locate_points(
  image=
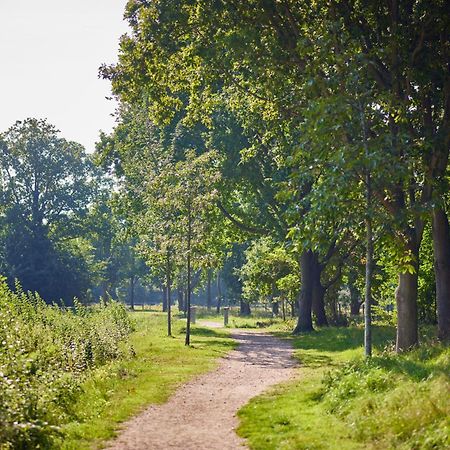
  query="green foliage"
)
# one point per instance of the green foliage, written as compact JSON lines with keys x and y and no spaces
{"x":269,"y":271}
{"x":45,"y":353}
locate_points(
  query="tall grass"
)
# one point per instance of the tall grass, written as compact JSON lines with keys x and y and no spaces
{"x":45,"y":352}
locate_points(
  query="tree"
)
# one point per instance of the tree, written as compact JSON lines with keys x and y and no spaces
{"x":46,"y":186}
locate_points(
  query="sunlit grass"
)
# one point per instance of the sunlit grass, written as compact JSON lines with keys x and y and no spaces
{"x":339,"y":401}
{"x":117,"y":391}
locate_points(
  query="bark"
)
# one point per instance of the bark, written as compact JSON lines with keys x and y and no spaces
{"x":164,"y":305}
{"x":304,"y":323}
{"x":132,"y":283}
{"x":208,"y":291}
{"x":275,"y":308}
{"x":318,"y":294}
{"x":180,"y":300}
{"x":168,"y":299}
{"x":406,"y":299}
{"x":355,"y":302}
{"x":441,"y":246}
{"x":188,"y":297}
{"x":244,"y":308}
{"x":219,"y":293}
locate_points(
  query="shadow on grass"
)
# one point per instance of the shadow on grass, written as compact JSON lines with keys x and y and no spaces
{"x":419,"y":364}
{"x":339,"y":339}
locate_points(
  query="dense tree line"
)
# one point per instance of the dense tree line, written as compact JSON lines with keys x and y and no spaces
{"x":59,"y":236}
{"x":328,"y":123}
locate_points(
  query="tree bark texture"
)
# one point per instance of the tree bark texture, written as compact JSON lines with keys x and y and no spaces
{"x":406,"y":299}
{"x":318,"y":294}
{"x":304,"y":323}
{"x":441,"y":246}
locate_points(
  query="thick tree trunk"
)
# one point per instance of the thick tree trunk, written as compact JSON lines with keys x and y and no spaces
{"x":406,"y":298}
{"x":208,"y":291}
{"x":244,"y":308}
{"x":441,"y":246}
{"x":318,"y":294}
{"x":355,"y":301}
{"x":304,"y":323}
{"x":275,"y":308}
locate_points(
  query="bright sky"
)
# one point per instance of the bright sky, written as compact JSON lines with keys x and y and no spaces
{"x":50,"y":52}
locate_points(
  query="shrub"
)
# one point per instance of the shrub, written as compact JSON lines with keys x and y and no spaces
{"x":45,"y":353}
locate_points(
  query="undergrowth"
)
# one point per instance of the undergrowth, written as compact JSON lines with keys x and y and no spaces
{"x":45,"y":353}
{"x":340,"y":400}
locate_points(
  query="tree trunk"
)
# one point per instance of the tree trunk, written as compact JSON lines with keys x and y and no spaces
{"x":318,"y":294}
{"x":208,"y":291}
{"x":441,"y":246}
{"x":168,"y":299}
{"x":244,"y":308}
{"x":132,"y":282}
{"x":164,"y":305}
{"x":219,"y":293}
{"x":304,"y":323}
{"x":275,"y":308}
{"x":355,"y":302}
{"x":180,"y":300}
{"x":406,"y":298}
{"x":188,"y":298}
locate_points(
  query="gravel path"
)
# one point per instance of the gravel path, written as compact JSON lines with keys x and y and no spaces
{"x":201,"y":415}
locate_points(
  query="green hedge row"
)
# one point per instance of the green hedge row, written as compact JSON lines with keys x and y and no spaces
{"x":45,"y":354}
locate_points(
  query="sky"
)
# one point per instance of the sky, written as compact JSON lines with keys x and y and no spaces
{"x":50,"y":52}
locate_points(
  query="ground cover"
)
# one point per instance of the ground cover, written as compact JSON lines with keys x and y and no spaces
{"x":340,"y":401}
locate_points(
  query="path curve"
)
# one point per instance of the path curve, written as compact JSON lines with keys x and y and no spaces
{"x":201,"y":415}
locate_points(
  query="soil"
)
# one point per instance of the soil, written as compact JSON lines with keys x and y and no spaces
{"x":201,"y":415}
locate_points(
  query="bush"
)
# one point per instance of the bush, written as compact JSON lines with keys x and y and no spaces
{"x":45,"y":353}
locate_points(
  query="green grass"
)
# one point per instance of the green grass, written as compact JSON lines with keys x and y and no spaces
{"x":339,"y":401}
{"x":119,"y":390}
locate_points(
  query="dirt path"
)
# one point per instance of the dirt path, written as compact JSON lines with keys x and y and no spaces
{"x":201,"y":415}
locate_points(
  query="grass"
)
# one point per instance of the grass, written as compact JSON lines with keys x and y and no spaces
{"x":339,"y":401}
{"x":119,"y":390}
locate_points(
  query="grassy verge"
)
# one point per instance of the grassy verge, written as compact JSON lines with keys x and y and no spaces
{"x":339,"y":401}
{"x":119,"y":390}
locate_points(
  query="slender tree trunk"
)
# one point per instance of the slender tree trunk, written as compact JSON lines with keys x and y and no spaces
{"x":208,"y":291}
{"x":369,"y":267}
{"x":441,"y":246}
{"x":369,"y":246}
{"x":164,"y":305}
{"x":283,"y":308}
{"x":406,"y":298}
{"x":219,"y":293}
{"x":180,"y":299}
{"x":304,"y":323}
{"x":188,"y":299}
{"x":169,"y":306}
{"x":132,"y":282}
